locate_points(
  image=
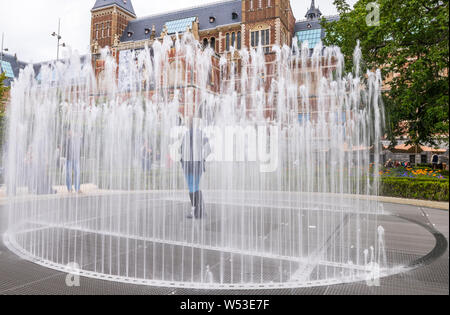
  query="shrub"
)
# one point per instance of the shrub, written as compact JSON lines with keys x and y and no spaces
{"x":435,"y":190}
{"x":426,"y":165}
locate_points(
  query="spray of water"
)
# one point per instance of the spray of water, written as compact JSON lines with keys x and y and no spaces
{"x":284,"y":194}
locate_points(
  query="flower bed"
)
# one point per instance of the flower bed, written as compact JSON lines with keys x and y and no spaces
{"x":413,"y":172}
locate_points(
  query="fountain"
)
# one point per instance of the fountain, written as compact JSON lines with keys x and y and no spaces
{"x":287,"y":196}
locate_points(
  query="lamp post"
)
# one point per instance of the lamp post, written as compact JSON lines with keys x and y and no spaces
{"x":2,"y":50}
{"x":58,"y":37}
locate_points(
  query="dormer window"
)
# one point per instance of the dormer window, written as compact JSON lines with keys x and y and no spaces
{"x":309,"y":25}
{"x":147,"y":31}
{"x":234,"y":16}
{"x":212,"y":19}
{"x":129,"y":34}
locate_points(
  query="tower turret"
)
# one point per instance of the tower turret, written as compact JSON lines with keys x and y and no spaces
{"x":109,"y":20}
{"x":313,"y":12}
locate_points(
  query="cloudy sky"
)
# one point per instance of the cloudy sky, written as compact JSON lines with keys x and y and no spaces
{"x":27,"y":24}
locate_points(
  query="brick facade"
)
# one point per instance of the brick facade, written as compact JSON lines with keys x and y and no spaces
{"x":109,"y":23}
{"x":269,"y":22}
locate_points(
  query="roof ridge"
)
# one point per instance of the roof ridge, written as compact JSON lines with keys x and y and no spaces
{"x":8,"y":54}
{"x":124,"y":5}
{"x":183,"y":9}
{"x":47,"y":62}
{"x":324,"y":17}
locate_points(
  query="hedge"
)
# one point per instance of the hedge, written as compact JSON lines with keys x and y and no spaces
{"x":427,"y":189}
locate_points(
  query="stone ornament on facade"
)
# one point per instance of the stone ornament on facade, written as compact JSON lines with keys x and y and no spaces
{"x":95,"y":49}
{"x":164,"y":31}
{"x":153,"y":33}
{"x":116,"y":40}
{"x":277,"y":31}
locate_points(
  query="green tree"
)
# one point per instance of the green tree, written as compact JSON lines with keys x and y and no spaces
{"x":3,"y":93}
{"x":411,"y":41}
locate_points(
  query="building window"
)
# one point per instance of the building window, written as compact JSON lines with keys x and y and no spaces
{"x":233,"y":39}
{"x":254,"y":38}
{"x":107,"y":29}
{"x":261,"y":37}
{"x":234,"y":16}
{"x":251,"y":4}
{"x":239,"y":46}
{"x":213,"y":43}
{"x":304,"y":118}
{"x":6,"y":67}
{"x":313,"y":37}
{"x":227,"y":42}
{"x":412,"y":159}
{"x":424,"y":159}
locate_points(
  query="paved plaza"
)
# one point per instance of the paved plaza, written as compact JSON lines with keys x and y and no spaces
{"x":415,"y":235}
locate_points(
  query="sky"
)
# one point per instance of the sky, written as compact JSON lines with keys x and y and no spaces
{"x":28,"y":24}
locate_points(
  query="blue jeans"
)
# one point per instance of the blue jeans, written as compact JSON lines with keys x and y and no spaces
{"x":193,"y":172}
{"x":146,"y":165}
{"x":73,"y":166}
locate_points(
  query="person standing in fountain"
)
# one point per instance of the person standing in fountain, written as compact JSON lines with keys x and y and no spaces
{"x":147,"y":157}
{"x":73,"y":154}
{"x":194,"y":151}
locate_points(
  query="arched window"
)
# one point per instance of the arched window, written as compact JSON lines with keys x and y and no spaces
{"x":205,"y":42}
{"x":233,"y":39}
{"x":213,"y":43}
{"x":227,"y":42}
{"x":239,"y":45}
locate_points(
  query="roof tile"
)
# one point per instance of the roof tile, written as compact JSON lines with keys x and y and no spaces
{"x":124,"y":4}
{"x":222,"y":11}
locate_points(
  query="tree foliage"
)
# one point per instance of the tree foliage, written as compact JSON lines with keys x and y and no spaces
{"x":3,"y":94}
{"x":3,"y":91}
{"x":411,"y":47}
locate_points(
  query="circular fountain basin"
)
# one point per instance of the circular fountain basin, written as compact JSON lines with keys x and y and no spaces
{"x":288,"y":244}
